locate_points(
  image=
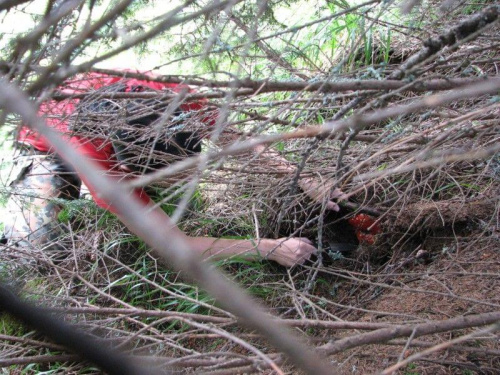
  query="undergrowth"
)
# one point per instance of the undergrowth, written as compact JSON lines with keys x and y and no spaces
{"x":436,"y":259}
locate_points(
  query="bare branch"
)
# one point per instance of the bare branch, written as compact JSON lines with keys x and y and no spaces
{"x":439,"y":347}
{"x":461,"y":31}
{"x":423,"y":329}
{"x":355,"y":122}
{"x":58,"y":331}
{"x":168,"y":243}
{"x":7,"y":4}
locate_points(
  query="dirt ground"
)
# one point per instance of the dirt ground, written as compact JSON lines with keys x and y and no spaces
{"x":452,"y":271}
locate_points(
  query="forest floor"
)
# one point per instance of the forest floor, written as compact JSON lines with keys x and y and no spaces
{"x":436,"y":259}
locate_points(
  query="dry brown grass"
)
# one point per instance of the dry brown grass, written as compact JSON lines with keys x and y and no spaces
{"x":436,"y":259}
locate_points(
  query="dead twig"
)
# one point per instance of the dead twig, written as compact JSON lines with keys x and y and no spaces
{"x":423,"y":329}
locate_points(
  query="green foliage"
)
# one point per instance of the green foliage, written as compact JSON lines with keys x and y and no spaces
{"x":474,"y":7}
{"x":131,"y":12}
{"x":350,"y":44}
{"x":10,"y":326}
{"x":81,"y":210}
{"x":138,"y":289}
{"x":410,"y":369}
{"x":251,"y":274}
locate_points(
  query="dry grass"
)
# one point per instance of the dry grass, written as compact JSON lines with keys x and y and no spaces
{"x":437,"y":258}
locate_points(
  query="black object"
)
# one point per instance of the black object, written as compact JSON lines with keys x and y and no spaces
{"x":88,"y":347}
{"x":136,"y":144}
{"x":343,"y":248}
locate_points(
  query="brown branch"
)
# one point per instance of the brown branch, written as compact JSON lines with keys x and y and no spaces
{"x":28,"y":41}
{"x":249,"y":87}
{"x":327,"y":130}
{"x":386,"y":334}
{"x":236,"y":370}
{"x":455,"y":348}
{"x":264,"y":86}
{"x":74,"y":43}
{"x":27,"y":341}
{"x":438,"y":347}
{"x":149,"y":361}
{"x":6,"y":362}
{"x":68,"y":336}
{"x":461,"y":31}
{"x":7,"y":4}
{"x":171,"y":21}
{"x":139,"y":312}
{"x":271,"y":54}
{"x":305,"y":323}
{"x":168,"y":242}
{"x":308,"y":323}
{"x":436,"y":161}
{"x":238,"y":341}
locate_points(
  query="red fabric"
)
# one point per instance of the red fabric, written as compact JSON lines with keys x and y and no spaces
{"x":365,"y":222}
{"x":100,"y":151}
{"x":366,"y":228}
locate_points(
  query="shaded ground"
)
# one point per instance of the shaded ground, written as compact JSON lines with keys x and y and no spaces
{"x":448,"y":275}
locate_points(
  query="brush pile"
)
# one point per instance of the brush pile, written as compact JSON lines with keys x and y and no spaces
{"x":407,"y":130}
